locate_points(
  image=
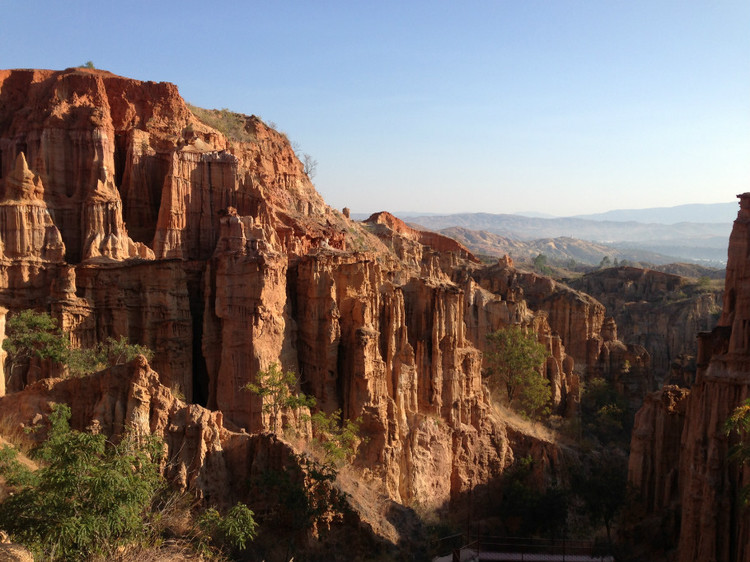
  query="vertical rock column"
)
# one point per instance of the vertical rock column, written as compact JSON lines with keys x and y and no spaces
{"x":715,"y":525}
{"x":3,"y":354}
{"x":245,"y":327}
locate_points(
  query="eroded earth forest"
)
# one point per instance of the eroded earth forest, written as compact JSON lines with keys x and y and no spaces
{"x":294,"y":383}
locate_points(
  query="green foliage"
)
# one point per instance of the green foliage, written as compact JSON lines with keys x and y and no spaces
{"x":88,"y":64}
{"x":337,"y":439}
{"x":108,"y":353}
{"x":31,"y":334}
{"x":605,"y":414}
{"x":541,"y":264}
{"x":514,"y":359}
{"x":738,"y":424}
{"x":278,"y":390}
{"x":231,"y":532}
{"x":526,"y":509}
{"x":89,"y":496}
{"x":605,"y":263}
{"x":602,"y":485}
{"x":15,"y":473}
{"x":233,"y":125}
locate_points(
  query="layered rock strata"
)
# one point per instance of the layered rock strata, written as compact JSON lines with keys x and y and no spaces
{"x":231,"y":262}
{"x":658,"y":311}
{"x":582,"y":340}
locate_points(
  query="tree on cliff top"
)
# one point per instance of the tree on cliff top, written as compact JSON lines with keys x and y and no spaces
{"x":514,"y":360}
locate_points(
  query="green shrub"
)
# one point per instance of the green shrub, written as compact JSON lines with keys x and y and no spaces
{"x":231,"y":532}
{"x":278,"y":390}
{"x":31,"y":334}
{"x":108,"y":353}
{"x":89,"y":496}
{"x":338,"y":440}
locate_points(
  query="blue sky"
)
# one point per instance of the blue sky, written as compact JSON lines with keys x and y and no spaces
{"x":557,"y":106}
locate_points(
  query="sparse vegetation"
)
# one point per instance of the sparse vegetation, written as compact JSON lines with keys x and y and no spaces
{"x":278,"y":391}
{"x":738,"y":425}
{"x":310,"y":165}
{"x":235,"y":126}
{"x":336,"y":438}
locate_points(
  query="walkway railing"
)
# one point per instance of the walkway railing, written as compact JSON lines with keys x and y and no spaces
{"x":523,"y":549}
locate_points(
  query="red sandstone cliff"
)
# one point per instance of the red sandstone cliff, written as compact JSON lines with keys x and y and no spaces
{"x":231,"y":261}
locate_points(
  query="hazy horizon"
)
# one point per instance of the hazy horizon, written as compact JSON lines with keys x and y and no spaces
{"x":734,"y":205}
{"x":563,"y":108}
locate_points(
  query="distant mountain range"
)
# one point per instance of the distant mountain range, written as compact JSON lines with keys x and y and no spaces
{"x":559,"y":250}
{"x":693,"y":233}
{"x":714,"y":212}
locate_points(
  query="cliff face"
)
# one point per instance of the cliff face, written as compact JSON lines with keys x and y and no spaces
{"x":582,"y":340}
{"x":658,"y":311}
{"x":714,"y":526}
{"x":231,"y":261}
{"x":220,"y":465}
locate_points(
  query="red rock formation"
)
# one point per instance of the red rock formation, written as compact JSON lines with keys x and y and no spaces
{"x":572,"y":325}
{"x":231,"y":261}
{"x":659,"y":311}
{"x":655,"y":448}
{"x":714,"y":526}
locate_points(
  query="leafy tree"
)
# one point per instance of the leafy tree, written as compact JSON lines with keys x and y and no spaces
{"x":605,"y":263}
{"x":278,"y":390}
{"x":738,"y":424}
{"x":602,"y":488}
{"x":29,"y":335}
{"x":89,"y":496}
{"x":514,"y":359}
{"x":605,"y":413}
{"x":88,"y":64}
{"x":541,"y":264}
{"x":337,"y":439}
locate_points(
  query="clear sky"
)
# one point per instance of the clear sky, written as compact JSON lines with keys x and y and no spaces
{"x":555,"y":106}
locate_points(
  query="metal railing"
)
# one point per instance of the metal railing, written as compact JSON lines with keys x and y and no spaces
{"x":523,"y":549}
